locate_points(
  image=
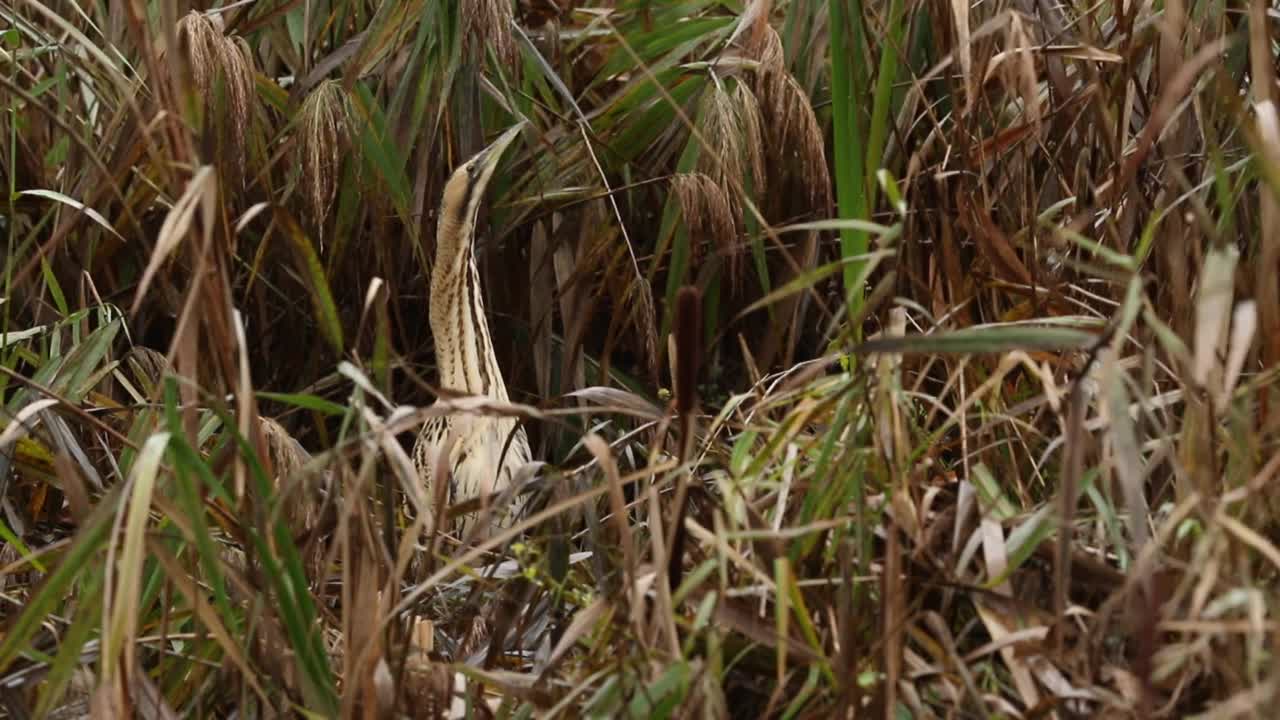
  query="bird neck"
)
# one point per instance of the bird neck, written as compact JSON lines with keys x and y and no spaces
{"x":464,"y":350}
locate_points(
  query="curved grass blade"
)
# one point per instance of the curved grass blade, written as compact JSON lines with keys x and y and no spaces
{"x":317,"y":286}
{"x":122,"y":629}
{"x":305,"y":402}
{"x":92,"y":214}
{"x":983,"y":340}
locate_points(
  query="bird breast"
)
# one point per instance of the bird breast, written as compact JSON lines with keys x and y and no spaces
{"x":477,"y":463}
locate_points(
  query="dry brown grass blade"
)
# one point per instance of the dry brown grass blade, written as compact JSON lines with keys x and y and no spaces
{"x":368,"y":684}
{"x":617,"y":505}
{"x":573,"y":298}
{"x":991,"y":239}
{"x":1073,"y":469}
{"x":1244,"y":324}
{"x":438,"y":493}
{"x":542,"y":286}
{"x":200,"y":197}
{"x":73,"y":486}
{"x":1172,"y":95}
{"x":688,"y":342}
{"x":1214,"y":296}
{"x":1263,"y":76}
{"x":893,"y":616}
{"x":1025,"y":79}
{"x":999,"y":627}
{"x":662,"y":627}
{"x":1125,"y":450}
{"x":963,"y":49}
{"x":246,"y":410}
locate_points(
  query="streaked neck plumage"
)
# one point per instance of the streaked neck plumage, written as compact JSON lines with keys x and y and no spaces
{"x":464,"y":350}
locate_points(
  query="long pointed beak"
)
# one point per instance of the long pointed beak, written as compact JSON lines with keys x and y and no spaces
{"x":487,"y":159}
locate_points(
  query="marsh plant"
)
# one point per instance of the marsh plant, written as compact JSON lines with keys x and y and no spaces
{"x":877,"y":359}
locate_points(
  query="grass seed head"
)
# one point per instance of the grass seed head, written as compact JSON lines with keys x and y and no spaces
{"x":708,"y":213}
{"x":326,"y":123}
{"x":720,"y":127}
{"x":800,"y":149}
{"x":216,"y":58}
{"x":733,"y":129}
{"x":147,"y":366}
{"x":765,"y":47}
{"x":202,"y":42}
{"x":487,"y":24}
{"x":751,"y":125}
{"x":790,"y":129}
{"x":237,"y":72}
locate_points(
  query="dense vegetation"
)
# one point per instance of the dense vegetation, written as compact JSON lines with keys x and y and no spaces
{"x":895,"y":359}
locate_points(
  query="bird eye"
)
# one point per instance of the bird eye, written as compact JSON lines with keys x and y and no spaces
{"x":471,"y":169}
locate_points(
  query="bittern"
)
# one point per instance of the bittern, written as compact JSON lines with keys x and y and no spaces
{"x":478,"y":465}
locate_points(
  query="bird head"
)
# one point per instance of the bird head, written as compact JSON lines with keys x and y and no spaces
{"x":465,"y":189}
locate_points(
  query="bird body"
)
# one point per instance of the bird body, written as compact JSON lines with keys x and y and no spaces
{"x":481,"y":462}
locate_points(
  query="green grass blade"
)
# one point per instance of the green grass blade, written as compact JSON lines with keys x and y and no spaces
{"x":849,"y":148}
{"x":984,"y":340}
